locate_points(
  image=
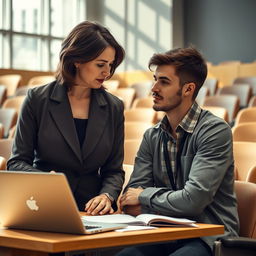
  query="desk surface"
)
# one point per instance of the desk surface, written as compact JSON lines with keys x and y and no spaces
{"x":56,"y":242}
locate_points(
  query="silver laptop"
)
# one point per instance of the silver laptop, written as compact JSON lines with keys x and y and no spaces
{"x":42,"y":202}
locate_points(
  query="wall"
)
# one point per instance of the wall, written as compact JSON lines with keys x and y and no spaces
{"x":143,"y":27}
{"x":221,"y":29}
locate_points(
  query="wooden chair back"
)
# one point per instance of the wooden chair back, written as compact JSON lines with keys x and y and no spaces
{"x":242,"y":91}
{"x":246,"y":115}
{"x":147,"y":115}
{"x":244,"y":132}
{"x":40,"y":80}
{"x":245,"y":161}
{"x":218,"y":111}
{"x":131,"y":148}
{"x":12,"y":82}
{"x":135,"y":130}
{"x":246,"y":201}
{"x":14,"y":102}
{"x":229,"y":102}
{"x":6,"y":148}
{"x":127,"y":95}
{"x":8,"y":117}
{"x":2,"y":163}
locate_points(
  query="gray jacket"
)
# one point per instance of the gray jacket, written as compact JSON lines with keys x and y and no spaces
{"x":204,"y":182}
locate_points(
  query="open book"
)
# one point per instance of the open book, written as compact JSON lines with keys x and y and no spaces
{"x":142,"y":219}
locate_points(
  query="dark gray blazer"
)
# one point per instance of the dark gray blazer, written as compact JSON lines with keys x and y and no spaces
{"x":46,"y":139}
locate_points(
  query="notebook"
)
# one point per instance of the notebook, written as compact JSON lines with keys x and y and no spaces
{"x":43,"y":202}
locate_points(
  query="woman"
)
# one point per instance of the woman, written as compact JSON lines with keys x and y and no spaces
{"x":73,"y":125}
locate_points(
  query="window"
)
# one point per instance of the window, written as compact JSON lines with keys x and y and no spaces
{"x":143,"y":27}
{"x":31,"y":31}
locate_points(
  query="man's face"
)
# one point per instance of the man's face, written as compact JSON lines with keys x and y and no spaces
{"x":167,"y":93}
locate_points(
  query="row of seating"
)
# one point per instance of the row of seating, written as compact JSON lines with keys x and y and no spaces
{"x":224,"y":73}
{"x":226,"y":101}
{"x":227,"y":72}
{"x":245,"y":161}
{"x":136,"y":121}
{"x":245,"y":131}
{"x":232,"y":98}
{"x":11,"y":99}
{"x":8,"y":120}
{"x":143,"y":112}
{"x":214,"y":103}
{"x":243,"y":154}
{"x":136,"y":90}
{"x":12,"y":82}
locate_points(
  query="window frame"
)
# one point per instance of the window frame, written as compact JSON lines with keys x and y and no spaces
{"x":45,"y":36}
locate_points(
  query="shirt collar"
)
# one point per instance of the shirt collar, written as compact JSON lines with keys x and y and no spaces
{"x":189,"y":121}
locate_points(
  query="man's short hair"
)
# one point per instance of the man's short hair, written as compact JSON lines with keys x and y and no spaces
{"x":189,"y":64}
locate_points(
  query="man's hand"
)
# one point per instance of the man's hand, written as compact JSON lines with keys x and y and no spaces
{"x":99,"y":205}
{"x":131,"y":197}
{"x":133,"y":210}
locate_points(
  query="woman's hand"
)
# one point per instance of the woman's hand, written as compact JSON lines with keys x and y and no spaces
{"x":99,"y":205}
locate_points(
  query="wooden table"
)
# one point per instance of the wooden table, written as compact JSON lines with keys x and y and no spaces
{"x":23,"y":242}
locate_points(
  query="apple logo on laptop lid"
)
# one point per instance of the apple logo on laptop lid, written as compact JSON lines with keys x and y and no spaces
{"x":31,"y":203}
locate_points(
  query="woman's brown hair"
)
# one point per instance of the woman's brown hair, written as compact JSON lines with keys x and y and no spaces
{"x":83,"y":44}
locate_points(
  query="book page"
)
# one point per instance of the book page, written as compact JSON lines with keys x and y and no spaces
{"x":142,"y":219}
{"x":134,"y":228}
{"x":160,"y":220}
{"x":114,"y":218}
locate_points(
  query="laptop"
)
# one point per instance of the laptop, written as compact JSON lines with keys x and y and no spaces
{"x":43,"y":202}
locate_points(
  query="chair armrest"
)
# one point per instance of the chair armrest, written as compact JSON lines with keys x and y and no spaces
{"x":241,"y":242}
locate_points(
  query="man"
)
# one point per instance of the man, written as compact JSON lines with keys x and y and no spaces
{"x":185,"y":165}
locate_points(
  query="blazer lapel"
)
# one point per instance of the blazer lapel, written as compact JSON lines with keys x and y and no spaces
{"x":98,"y":116}
{"x":62,"y":115}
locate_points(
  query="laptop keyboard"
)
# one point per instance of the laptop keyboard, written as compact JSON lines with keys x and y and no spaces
{"x":91,"y":227}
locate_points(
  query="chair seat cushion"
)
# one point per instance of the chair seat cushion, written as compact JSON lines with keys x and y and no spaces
{"x":241,"y":242}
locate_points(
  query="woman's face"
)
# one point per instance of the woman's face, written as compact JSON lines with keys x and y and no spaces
{"x":93,"y":73}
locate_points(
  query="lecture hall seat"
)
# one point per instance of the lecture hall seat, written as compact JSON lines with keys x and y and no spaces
{"x":246,"y":115}
{"x":229,"y":102}
{"x":135,"y":130}
{"x":245,"y":244}
{"x":245,"y":161}
{"x":12,"y":82}
{"x":244,"y":132}
{"x":2,"y":163}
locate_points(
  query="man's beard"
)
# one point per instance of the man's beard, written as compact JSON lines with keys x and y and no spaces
{"x":171,"y":105}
